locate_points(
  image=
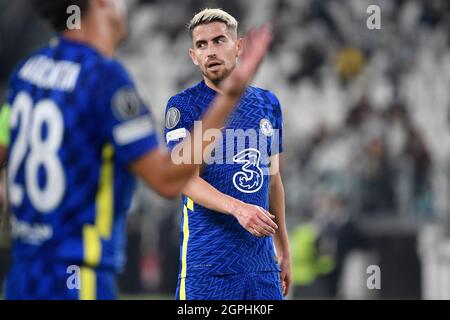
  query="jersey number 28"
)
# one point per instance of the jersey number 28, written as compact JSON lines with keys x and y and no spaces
{"x":33,"y":150}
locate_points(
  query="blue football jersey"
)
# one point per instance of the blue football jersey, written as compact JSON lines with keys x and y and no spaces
{"x":76,"y":123}
{"x":213,"y":243}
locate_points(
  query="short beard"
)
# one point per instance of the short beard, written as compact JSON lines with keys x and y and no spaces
{"x":217,"y":81}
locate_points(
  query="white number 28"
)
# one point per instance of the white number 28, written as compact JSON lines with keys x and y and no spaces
{"x":35,"y":151}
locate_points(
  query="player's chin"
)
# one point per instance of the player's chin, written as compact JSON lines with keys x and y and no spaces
{"x":215,"y":76}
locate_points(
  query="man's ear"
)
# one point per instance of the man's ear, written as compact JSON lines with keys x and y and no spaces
{"x":193,"y":57}
{"x":240,"y":46}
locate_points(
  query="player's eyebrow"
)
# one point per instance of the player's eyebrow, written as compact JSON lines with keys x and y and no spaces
{"x":200,"y":41}
{"x":219,"y":37}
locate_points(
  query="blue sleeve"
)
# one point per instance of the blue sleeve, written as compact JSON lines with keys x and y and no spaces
{"x":277,"y":139}
{"x":179,"y":120}
{"x":125,"y":120}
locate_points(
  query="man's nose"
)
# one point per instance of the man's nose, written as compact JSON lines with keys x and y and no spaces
{"x":211,"y":52}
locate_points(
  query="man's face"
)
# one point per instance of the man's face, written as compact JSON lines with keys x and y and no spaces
{"x":215,"y":50}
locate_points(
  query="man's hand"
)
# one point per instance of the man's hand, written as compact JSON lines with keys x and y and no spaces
{"x":255,"y":49}
{"x":254,"y":219}
{"x":286,"y":273}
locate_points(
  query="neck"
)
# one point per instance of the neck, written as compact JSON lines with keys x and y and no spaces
{"x":213,"y":85}
{"x":98,"y":36}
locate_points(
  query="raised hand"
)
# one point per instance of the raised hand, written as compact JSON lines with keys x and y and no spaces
{"x":256,"y":46}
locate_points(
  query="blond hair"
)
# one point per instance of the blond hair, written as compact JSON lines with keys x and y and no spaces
{"x":213,"y":15}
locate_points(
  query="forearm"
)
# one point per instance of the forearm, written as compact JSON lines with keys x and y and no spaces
{"x":252,"y":218}
{"x":204,"y":194}
{"x":277,"y":208}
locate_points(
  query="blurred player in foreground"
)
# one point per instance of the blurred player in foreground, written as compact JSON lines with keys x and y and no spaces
{"x":76,"y":130}
{"x":225,"y":253}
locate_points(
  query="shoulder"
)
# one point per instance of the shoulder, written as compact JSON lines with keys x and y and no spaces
{"x":268,"y":96}
{"x":182,"y":109}
{"x":184,"y":100}
{"x":111,"y":83}
{"x":265,"y":94}
{"x":112,"y":71}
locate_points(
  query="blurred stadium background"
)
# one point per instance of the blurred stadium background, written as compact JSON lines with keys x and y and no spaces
{"x":366,"y":133}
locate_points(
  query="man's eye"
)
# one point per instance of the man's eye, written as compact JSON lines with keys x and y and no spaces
{"x":201,"y":45}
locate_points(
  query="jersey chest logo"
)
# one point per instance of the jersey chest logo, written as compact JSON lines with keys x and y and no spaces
{"x":266,"y":127}
{"x":250,"y":179}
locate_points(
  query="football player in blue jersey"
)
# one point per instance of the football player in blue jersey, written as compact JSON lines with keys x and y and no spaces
{"x":73,"y":132}
{"x":224,"y":253}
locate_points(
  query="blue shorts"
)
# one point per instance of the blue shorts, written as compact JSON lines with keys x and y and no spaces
{"x":248,"y":286}
{"x":43,"y":280}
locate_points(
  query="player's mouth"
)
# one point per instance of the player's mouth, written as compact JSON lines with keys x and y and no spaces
{"x":214,"y":65}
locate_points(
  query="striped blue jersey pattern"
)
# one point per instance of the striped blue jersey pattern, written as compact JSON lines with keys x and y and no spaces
{"x":76,"y":123}
{"x":213,"y":243}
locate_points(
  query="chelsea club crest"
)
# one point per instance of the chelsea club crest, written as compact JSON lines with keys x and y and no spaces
{"x":266,"y":127}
